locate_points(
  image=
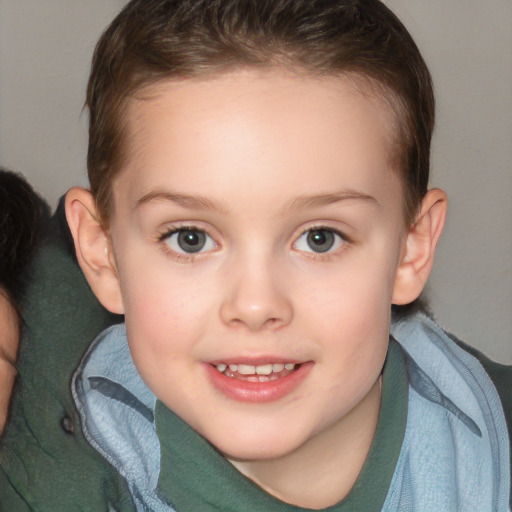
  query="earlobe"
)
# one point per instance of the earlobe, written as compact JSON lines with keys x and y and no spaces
{"x":419,"y":248}
{"x":93,"y":248}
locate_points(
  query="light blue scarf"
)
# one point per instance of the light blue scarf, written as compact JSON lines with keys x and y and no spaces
{"x":454,"y":456}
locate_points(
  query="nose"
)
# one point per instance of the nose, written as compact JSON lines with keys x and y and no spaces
{"x":255,"y":297}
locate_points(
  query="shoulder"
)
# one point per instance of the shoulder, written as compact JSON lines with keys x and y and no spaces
{"x":44,"y":456}
{"x":418,"y":329}
{"x":458,"y":399}
{"x":500,"y":374}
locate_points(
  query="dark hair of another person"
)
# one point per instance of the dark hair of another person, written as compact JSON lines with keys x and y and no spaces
{"x":21,"y":215}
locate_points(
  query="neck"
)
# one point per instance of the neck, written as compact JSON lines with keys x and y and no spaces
{"x":322,"y":471}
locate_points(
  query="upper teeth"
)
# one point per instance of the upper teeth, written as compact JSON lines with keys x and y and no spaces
{"x":262,"y":369}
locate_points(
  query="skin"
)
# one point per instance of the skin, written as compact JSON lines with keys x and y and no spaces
{"x":256,"y":160}
{"x":9,"y":338}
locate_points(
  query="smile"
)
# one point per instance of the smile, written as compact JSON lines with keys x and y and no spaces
{"x":260,"y":373}
{"x":258,"y":383}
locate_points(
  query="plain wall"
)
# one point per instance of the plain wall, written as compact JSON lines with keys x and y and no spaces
{"x":45,"y":51}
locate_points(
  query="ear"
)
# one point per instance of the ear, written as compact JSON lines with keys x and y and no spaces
{"x":419,"y":248}
{"x":93,"y":248}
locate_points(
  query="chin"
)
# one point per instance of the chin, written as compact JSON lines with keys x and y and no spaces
{"x":255,"y":448}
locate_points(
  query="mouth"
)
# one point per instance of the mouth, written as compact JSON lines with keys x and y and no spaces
{"x":257,"y":383}
{"x":257,"y":373}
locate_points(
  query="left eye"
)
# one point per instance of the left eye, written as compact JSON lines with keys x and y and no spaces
{"x":189,"y":241}
{"x":319,"y":240}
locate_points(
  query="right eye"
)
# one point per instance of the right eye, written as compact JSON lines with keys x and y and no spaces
{"x":320,"y":240}
{"x":188,"y":241}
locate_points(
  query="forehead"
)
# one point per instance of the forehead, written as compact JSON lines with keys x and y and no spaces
{"x":295,"y":128}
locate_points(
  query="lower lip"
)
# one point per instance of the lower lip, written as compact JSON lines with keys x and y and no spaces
{"x":257,"y":392}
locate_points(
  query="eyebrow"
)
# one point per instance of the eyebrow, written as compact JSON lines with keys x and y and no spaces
{"x":302,"y":202}
{"x":318,"y":200}
{"x":186,"y":201}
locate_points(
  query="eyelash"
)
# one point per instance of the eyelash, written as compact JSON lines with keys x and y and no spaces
{"x":330,"y":254}
{"x":182,"y":256}
{"x":188,"y":257}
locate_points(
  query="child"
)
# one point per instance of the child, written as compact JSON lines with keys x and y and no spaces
{"x":258,"y":203}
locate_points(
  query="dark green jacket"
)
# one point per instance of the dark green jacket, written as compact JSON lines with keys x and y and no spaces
{"x":46,"y":465}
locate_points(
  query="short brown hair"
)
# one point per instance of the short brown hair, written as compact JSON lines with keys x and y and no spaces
{"x":153,"y":40}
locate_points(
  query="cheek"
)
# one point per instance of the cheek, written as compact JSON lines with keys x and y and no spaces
{"x":162,"y":327}
{"x":350,"y":313}
{"x":163,"y":303}
{"x":356,"y":290}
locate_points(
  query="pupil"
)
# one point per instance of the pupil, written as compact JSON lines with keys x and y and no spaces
{"x":191,"y":241}
{"x":320,"y":240}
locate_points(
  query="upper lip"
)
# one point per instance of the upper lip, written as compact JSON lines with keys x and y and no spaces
{"x":255,"y":361}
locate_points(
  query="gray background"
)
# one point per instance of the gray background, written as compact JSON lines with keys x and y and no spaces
{"x":45,"y":51}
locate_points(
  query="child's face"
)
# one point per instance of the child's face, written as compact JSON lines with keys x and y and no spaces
{"x":258,"y":223}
